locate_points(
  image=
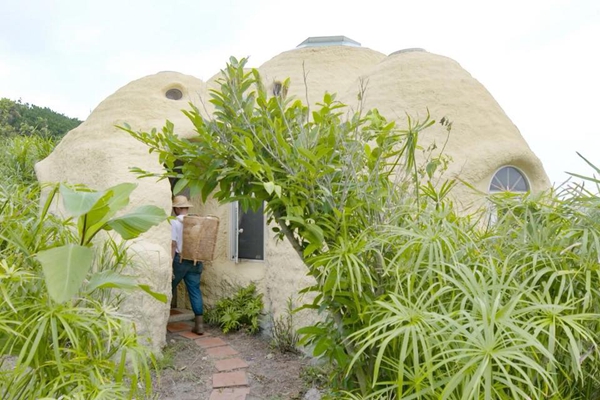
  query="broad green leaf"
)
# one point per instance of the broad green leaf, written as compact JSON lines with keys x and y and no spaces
{"x":131,"y":225}
{"x":306,"y":153}
{"x":78,"y":202}
{"x":110,"y":279}
{"x":120,"y":197}
{"x":249,"y":146}
{"x":293,"y":218}
{"x":330,"y":281}
{"x":316,"y":232}
{"x":269,"y":186}
{"x":311,"y":330}
{"x":65,"y":269}
{"x":431,"y":167}
{"x":322,"y":345}
{"x":180,"y":185}
{"x":115,"y":198}
{"x":158,"y":296}
{"x":311,"y":248}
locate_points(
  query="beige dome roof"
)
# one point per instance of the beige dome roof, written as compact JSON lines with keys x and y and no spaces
{"x":97,"y":142}
{"x":482,"y":139}
{"x":331,"y":68}
{"x":98,"y":154}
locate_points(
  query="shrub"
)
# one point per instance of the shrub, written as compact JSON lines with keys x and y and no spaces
{"x":18,"y":155}
{"x":284,"y":336}
{"x":239,"y":312}
{"x":60,"y":328}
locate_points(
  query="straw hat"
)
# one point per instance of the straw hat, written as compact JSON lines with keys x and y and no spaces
{"x":181,"y":202}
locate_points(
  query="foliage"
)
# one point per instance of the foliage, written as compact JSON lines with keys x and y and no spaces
{"x":420,"y":301}
{"x":284,"y":336}
{"x":65,"y":338}
{"x":23,"y":119}
{"x":238,"y":312}
{"x":18,"y":155}
{"x":169,"y":355}
{"x":315,"y":376}
{"x":66,"y":266}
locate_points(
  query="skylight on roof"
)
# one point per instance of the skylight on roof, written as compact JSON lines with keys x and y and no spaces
{"x":320,"y":41}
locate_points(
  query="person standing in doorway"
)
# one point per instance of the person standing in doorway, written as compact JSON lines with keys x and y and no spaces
{"x":187,"y":270}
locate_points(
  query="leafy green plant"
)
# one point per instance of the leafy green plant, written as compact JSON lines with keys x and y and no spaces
{"x":420,"y":299}
{"x":65,"y":267}
{"x":60,"y":329}
{"x":238,"y":312}
{"x":18,"y":155}
{"x":315,"y":376}
{"x":283,"y":333}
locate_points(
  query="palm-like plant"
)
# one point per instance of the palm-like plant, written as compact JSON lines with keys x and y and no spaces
{"x":509,"y":313}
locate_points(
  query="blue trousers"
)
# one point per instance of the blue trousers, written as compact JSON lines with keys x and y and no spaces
{"x":190,"y":273}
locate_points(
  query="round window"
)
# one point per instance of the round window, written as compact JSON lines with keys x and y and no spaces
{"x":174,"y":94}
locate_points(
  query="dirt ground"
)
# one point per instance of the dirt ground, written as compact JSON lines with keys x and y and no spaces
{"x":186,"y":371}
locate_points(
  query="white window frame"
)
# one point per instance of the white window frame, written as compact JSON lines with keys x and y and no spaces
{"x":235,"y":230}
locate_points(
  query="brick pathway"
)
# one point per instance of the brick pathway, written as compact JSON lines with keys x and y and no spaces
{"x":231,"y":380}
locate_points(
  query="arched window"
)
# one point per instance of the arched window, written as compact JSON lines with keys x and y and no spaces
{"x":509,"y":179}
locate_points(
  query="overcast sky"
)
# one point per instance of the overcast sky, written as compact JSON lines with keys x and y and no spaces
{"x":540,"y":59}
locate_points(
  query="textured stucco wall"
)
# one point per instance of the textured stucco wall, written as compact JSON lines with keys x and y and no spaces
{"x":483,"y":139}
{"x":332,"y":69}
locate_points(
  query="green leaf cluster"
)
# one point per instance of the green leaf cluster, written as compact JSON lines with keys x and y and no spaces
{"x":283,"y":331}
{"x":19,"y":154}
{"x":238,"y":312}
{"x":65,"y":267}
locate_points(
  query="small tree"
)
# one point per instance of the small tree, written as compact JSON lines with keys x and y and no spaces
{"x":420,"y":301}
